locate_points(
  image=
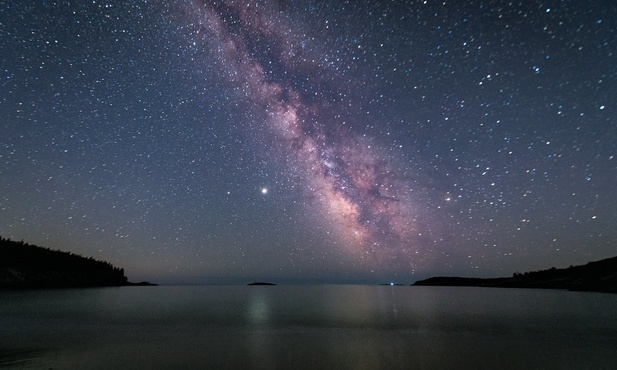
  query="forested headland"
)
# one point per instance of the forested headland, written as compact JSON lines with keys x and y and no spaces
{"x":598,"y":276}
{"x":24,"y":266}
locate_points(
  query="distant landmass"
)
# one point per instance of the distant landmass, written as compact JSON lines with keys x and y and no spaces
{"x":598,"y":276}
{"x":27,"y":266}
{"x":261,"y":283}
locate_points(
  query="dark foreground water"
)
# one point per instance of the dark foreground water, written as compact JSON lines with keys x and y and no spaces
{"x":307,"y":327}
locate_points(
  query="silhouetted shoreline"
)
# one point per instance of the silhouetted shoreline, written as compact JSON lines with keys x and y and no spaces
{"x":141,"y":283}
{"x":27,"y":266}
{"x":598,"y":276}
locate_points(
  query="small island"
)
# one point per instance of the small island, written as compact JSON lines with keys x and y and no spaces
{"x":27,"y":266}
{"x":598,"y":276}
{"x":261,"y":283}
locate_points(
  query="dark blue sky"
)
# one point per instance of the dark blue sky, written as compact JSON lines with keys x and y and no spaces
{"x":356,"y":141}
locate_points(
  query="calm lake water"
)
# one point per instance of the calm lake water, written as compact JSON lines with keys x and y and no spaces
{"x":307,"y":327}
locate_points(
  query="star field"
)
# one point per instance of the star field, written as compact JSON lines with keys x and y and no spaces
{"x":207,"y":141}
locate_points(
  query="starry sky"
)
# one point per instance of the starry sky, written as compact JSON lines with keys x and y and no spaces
{"x":311,"y":141}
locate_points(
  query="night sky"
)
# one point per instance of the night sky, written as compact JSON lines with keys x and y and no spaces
{"x":311,"y":141}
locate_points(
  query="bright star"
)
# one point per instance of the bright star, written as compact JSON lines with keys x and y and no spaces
{"x":264,"y":191}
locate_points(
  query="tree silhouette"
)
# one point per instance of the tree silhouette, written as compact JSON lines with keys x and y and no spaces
{"x":23,"y":265}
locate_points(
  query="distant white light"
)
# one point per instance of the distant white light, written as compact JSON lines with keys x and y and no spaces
{"x":264,"y":191}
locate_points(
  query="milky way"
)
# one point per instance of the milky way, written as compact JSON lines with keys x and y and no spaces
{"x":358,"y":191}
{"x":359,"y":141}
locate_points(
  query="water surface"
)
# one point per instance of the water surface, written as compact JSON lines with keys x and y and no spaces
{"x":307,"y":327}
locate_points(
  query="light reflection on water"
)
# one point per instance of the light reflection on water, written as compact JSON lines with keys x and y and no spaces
{"x":295,"y":327}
